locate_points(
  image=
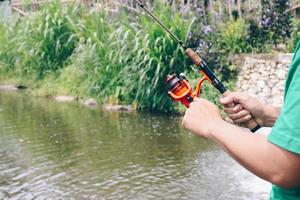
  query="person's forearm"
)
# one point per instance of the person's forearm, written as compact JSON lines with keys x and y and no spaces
{"x":256,"y":154}
{"x":270,"y":115}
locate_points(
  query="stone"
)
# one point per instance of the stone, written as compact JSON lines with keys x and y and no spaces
{"x":272,"y":65}
{"x":266,"y":91}
{"x":281,"y":73}
{"x":254,"y":76}
{"x":90,"y":103}
{"x":263,"y":75}
{"x":118,"y":108}
{"x":261,"y":84}
{"x":244,"y":87}
{"x":64,"y":98}
{"x":281,"y":83}
{"x":250,"y":60}
{"x":8,"y":88}
{"x":276,"y":92}
{"x":285,"y":58}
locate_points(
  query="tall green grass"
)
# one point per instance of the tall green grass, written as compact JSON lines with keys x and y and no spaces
{"x":126,"y":60}
{"x":121,"y":59}
{"x":7,"y":47}
{"x":154,"y":54}
{"x":46,"y":40}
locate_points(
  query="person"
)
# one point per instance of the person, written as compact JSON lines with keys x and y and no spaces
{"x":276,"y":157}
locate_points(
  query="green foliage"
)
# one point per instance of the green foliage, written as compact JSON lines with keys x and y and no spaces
{"x":275,"y":21}
{"x":233,"y":37}
{"x":47,"y":40}
{"x":295,"y":36}
{"x":97,"y":53}
{"x":124,"y":58}
{"x":257,"y":38}
{"x":154,"y":55}
{"x":281,"y":21}
{"x":7,"y":50}
{"x":119,"y":60}
{"x":128,"y":62}
{"x":215,"y":46}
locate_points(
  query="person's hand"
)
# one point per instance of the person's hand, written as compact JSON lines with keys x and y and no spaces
{"x":201,"y":117}
{"x":244,"y":107}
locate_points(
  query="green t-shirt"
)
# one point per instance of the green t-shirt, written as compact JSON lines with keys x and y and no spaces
{"x":286,"y":131}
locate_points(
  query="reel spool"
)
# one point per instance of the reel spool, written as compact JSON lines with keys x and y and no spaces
{"x":179,"y":88}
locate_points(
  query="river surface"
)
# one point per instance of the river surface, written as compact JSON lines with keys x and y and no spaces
{"x":51,"y":150}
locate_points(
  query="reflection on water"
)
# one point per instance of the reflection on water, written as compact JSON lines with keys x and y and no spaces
{"x":63,"y":151}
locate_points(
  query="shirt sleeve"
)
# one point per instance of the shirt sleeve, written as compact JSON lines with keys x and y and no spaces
{"x":286,"y":131}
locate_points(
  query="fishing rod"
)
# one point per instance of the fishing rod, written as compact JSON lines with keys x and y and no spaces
{"x":179,"y":89}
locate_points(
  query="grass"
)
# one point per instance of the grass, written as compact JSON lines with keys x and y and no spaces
{"x":119,"y":60}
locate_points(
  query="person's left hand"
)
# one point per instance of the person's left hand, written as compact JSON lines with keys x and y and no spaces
{"x":201,"y":117}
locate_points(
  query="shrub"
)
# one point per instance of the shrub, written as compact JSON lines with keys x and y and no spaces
{"x":257,"y":38}
{"x":233,"y":37}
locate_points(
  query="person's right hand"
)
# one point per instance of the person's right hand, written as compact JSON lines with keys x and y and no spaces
{"x":245,"y":107}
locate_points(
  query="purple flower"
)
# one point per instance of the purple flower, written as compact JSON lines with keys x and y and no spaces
{"x":206,"y":29}
{"x":203,"y":44}
{"x":266,"y":21}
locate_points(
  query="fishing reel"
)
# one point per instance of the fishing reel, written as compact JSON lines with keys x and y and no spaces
{"x":179,"y":88}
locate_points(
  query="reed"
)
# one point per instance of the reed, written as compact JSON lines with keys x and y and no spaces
{"x":127,"y":59}
{"x":46,"y":40}
{"x":121,"y":59}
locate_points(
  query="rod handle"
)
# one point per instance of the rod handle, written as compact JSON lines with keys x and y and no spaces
{"x":197,"y":60}
{"x":252,"y":123}
{"x":193,"y":56}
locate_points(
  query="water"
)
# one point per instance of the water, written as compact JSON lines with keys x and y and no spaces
{"x":50,"y":150}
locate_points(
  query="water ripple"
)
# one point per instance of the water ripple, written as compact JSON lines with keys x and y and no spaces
{"x":58,"y":151}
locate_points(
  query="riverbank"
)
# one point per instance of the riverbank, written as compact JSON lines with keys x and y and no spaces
{"x":84,"y":101}
{"x":121,"y":58}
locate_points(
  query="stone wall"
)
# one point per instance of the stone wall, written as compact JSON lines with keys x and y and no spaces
{"x":263,"y":75}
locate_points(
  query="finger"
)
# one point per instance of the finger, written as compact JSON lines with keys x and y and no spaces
{"x":242,"y":120}
{"x":235,"y":109}
{"x":239,"y":115}
{"x":196,"y":102}
{"x":192,"y":105}
{"x":231,"y":98}
{"x":183,"y":121}
{"x":226,"y":100}
{"x":196,"y":99}
{"x":185,"y":118}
